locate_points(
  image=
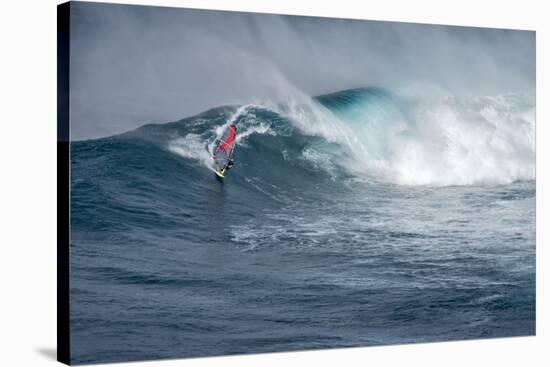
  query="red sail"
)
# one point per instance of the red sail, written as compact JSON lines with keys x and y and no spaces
{"x":222,"y":154}
{"x":227,"y":143}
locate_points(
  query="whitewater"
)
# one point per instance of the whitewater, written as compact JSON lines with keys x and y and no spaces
{"x":440,"y":140}
{"x":367,"y":216}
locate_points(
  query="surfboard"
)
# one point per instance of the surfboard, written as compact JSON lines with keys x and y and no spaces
{"x":223,"y":152}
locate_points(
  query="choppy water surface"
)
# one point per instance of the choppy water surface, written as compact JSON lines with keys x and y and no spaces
{"x":354,"y":219}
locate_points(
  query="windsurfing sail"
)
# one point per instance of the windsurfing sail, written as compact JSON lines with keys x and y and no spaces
{"x":224,"y":150}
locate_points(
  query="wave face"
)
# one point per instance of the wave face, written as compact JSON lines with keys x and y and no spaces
{"x":363,"y":217}
{"x":373,"y":134}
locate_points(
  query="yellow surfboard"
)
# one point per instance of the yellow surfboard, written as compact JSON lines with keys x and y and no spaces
{"x":220,"y":174}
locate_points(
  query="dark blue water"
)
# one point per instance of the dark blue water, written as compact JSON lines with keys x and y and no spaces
{"x":292,"y":251}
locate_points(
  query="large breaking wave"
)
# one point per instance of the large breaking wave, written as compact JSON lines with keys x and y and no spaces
{"x":320,"y":217}
{"x":370,"y":133}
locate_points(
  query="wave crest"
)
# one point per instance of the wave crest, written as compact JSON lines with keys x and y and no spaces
{"x":372,"y":133}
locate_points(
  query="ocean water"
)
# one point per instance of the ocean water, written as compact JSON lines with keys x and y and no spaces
{"x":358,"y":218}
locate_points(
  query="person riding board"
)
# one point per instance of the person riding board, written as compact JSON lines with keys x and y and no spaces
{"x":223,"y":154}
{"x":231,"y":162}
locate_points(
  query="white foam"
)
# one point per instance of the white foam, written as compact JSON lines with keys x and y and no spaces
{"x":443,"y":140}
{"x":192,"y":146}
{"x":440,"y":140}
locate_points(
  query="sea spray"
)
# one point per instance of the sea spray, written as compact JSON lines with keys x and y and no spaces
{"x":434,"y":139}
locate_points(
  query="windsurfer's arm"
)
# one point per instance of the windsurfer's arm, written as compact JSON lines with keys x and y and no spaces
{"x":230,"y":163}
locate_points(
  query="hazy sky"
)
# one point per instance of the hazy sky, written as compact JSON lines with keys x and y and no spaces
{"x":132,"y":65}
